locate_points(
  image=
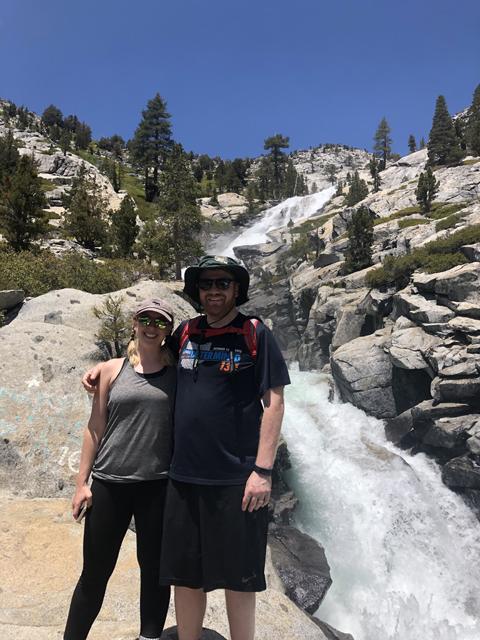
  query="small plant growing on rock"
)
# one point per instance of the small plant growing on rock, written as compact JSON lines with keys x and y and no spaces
{"x":114,"y":331}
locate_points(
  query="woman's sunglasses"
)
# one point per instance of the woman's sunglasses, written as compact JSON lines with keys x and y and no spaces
{"x":205,"y":284}
{"x":146,"y":321}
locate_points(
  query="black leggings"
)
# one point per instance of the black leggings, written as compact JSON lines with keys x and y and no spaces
{"x":106,"y":524}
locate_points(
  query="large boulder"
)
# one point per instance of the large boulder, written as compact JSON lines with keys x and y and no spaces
{"x":301,"y":565}
{"x":462,"y":472}
{"x":44,"y":409}
{"x":363,"y":372}
{"x":460,"y":283}
{"x":410,"y":344}
{"x":450,"y":432}
{"x":419,"y":309}
{"x":11,"y":298}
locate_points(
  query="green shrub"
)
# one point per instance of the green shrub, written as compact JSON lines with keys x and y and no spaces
{"x":412,"y":222}
{"x":443,"y":261}
{"x":443,"y":210}
{"x":39,"y":272}
{"x":447,"y":223}
{"x":435,"y":256}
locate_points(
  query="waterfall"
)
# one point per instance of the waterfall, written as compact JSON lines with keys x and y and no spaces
{"x":404,"y":550}
{"x":296,"y":208}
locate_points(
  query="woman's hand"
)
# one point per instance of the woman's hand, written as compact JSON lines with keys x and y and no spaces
{"x":82,"y":494}
{"x":90,"y":379}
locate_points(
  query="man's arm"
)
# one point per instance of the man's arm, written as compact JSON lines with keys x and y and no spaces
{"x":258,"y":487}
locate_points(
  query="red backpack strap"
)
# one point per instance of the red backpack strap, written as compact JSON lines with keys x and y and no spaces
{"x":189,"y":328}
{"x":250,"y":332}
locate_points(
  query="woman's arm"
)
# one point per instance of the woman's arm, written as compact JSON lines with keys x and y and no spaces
{"x":93,"y":435}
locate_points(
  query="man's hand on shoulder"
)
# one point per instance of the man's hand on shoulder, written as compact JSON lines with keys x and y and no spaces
{"x":92,"y":376}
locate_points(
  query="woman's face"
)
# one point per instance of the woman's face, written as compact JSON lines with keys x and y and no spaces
{"x":151,"y":327}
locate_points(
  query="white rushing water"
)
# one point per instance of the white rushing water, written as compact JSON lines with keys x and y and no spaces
{"x":403,"y":549}
{"x":297,"y":208}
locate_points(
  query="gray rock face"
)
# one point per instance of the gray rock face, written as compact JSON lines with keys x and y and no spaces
{"x":10,"y":299}
{"x":418,"y":309}
{"x":409,"y":346}
{"x":363,"y":372}
{"x":471,"y":251}
{"x":45,"y":351}
{"x":460,"y":283}
{"x":301,"y":565}
{"x":449,"y":432}
{"x":462,"y":472}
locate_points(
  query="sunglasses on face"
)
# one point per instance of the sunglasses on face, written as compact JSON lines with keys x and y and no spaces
{"x":159,"y":323}
{"x":205,"y":284}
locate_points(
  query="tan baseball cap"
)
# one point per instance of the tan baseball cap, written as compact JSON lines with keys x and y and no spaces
{"x":158,"y":305}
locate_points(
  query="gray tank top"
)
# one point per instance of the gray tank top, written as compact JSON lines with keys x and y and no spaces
{"x":137,"y":444}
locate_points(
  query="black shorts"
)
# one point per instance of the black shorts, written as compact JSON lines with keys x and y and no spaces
{"x":209,"y":542}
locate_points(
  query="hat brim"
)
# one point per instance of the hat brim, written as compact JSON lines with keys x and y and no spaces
{"x":165,"y":314}
{"x":192,"y":274}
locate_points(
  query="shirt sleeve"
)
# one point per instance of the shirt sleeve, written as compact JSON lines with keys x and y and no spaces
{"x":270,"y":367}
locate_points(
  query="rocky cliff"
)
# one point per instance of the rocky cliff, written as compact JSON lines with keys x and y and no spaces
{"x":409,"y":355}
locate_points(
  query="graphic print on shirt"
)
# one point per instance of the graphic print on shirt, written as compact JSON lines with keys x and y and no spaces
{"x":193,"y":354}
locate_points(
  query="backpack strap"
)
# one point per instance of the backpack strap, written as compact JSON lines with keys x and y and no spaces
{"x":248,"y":330}
{"x":190,"y":327}
{"x":250,"y":333}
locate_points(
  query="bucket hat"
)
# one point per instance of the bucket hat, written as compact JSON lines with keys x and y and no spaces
{"x":192,"y":275}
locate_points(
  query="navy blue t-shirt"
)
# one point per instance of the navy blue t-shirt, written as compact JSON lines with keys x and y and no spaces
{"x":218,"y":407}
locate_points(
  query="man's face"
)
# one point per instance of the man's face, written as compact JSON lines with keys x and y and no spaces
{"x":217,"y":300}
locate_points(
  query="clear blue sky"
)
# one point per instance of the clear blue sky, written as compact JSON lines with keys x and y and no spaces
{"x":235,"y":72}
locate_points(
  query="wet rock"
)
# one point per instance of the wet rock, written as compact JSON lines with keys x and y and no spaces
{"x":302,"y":566}
{"x":331,"y":633}
{"x":398,"y":427}
{"x":450,"y":432}
{"x":462,"y":472}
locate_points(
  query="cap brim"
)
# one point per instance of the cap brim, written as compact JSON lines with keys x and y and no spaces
{"x":165,"y":314}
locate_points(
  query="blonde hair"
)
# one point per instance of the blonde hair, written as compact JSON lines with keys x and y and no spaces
{"x":166,"y":355}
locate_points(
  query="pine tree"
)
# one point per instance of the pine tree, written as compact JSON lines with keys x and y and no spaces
{"x":22,"y":218}
{"x":52,"y":116}
{"x":443,"y":146}
{"x":422,"y":143}
{"x":114,"y":330}
{"x":180,"y":218}
{"x":383,"y":143}
{"x":83,"y":136}
{"x":275,"y":144}
{"x":358,"y":190}
{"x":426,"y":189}
{"x":473,"y":127}
{"x":124,"y":228}
{"x":9,"y":156}
{"x":152,"y":143}
{"x":87,"y":206}
{"x":374,"y":166}
{"x":360,"y":238}
{"x":65,"y":141}
{"x":412,"y":143}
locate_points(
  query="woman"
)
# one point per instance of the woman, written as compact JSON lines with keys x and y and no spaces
{"x":127,"y":446}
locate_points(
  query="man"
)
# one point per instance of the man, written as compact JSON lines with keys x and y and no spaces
{"x":228,"y":414}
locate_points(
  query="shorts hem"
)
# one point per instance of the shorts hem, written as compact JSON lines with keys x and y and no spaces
{"x":175,"y":582}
